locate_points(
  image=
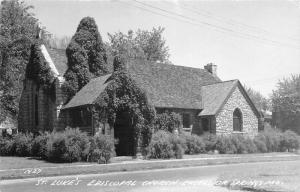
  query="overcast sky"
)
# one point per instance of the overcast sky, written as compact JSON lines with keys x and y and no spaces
{"x":257,"y":42}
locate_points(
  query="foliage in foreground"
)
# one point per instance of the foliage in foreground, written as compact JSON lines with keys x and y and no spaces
{"x":71,"y":145}
{"x":102,"y":148}
{"x":165,"y":145}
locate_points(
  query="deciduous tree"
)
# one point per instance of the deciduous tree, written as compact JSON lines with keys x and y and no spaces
{"x":17,"y":31}
{"x":286,"y":103}
{"x":262,"y":103}
{"x":143,"y":44}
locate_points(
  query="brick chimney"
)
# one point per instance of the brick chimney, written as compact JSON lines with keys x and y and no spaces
{"x":212,"y":68}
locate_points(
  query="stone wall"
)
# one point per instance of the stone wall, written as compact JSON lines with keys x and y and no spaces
{"x":224,"y":119}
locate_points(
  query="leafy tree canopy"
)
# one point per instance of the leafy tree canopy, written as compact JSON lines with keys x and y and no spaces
{"x":17,"y":32}
{"x":260,"y":102}
{"x":144,"y":44}
{"x":286,"y":102}
{"x":86,"y":56}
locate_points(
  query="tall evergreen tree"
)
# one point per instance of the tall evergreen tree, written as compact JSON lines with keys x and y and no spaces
{"x":86,"y":57}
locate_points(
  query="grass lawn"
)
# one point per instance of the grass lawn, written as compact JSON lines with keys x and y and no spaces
{"x":16,"y":167}
{"x":27,"y":162}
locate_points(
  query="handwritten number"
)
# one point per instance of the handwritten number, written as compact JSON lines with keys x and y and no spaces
{"x":33,"y":171}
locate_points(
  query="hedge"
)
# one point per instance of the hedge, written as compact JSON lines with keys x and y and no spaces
{"x":72,"y":145}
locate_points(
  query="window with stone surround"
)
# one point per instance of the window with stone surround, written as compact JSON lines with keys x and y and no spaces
{"x":237,"y":120}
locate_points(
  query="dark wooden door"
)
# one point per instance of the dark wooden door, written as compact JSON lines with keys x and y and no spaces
{"x":124,"y":133}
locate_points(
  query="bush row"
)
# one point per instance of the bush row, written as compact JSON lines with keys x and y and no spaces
{"x":166,"y":145}
{"x":73,"y":145}
{"x":70,"y":145}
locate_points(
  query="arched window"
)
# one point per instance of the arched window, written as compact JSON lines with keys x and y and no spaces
{"x":237,"y":120}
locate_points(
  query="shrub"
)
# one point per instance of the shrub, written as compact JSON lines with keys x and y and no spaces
{"x":56,"y":147}
{"x":77,"y":145}
{"x":272,"y":139}
{"x":39,"y":145}
{"x":260,"y":143}
{"x":165,"y":145}
{"x":7,"y":146}
{"x":168,"y":122}
{"x":22,"y":144}
{"x":250,"y":145}
{"x":210,"y":141}
{"x":225,"y":145}
{"x":102,"y":148}
{"x":68,"y":146}
{"x":239,"y":143}
{"x":178,"y":145}
{"x":160,"y":146}
{"x":194,"y":144}
{"x":289,"y":140}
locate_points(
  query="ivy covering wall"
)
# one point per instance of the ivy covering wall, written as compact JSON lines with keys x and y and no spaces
{"x":38,"y":69}
{"x":123,"y":94}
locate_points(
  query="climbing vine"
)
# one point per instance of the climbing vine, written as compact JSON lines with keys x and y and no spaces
{"x":123,"y":94}
{"x":38,"y":69}
{"x":168,"y":122}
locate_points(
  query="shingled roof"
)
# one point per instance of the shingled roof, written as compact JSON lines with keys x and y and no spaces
{"x":214,"y":95}
{"x":171,"y":86}
{"x":89,"y":93}
{"x":59,"y":59}
{"x":167,"y":86}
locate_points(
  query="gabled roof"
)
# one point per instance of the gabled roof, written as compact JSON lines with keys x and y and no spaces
{"x":215,"y":96}
{"x":59,"y":59}
{"x":89,"y":93}
{"x":167,"y":86}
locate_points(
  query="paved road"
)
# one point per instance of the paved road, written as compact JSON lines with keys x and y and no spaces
{"x":180,"y":179}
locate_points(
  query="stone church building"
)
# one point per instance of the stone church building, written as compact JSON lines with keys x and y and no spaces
{"x":205,"y":103}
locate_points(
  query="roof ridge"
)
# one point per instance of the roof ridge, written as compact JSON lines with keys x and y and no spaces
{"x":221,"y":82}
{"x":164,"y":63}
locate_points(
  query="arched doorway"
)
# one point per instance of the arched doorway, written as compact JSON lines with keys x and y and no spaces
{"x":123,"y":131}
{"x":237,"y":120}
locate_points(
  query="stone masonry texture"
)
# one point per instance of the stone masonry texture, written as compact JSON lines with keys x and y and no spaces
{"x":224,"y":119}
